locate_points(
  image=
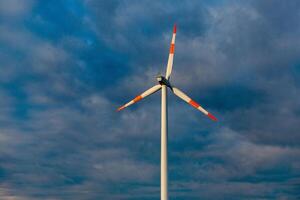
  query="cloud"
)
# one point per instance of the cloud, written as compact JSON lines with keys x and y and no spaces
{"x":5,"y":194}
{"x":15,"y":8}
{"x":235,"y":166}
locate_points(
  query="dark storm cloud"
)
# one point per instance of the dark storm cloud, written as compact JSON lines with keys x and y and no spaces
{"x":67,"y":66}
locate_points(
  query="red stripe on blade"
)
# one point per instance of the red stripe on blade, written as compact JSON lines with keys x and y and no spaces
{"x":172,"y":48}
{"x":174,"y":29}
{"x":212,"y":117}
{"x":138,"y":98}
{"x":194,"y":104}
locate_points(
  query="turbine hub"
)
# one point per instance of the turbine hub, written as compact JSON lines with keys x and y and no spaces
{"x":163,"y":81}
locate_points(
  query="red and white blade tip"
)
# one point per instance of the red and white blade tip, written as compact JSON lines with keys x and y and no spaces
{"x":120,"y":108}
{"x":174,"y":29}
{"x":212,"y":117}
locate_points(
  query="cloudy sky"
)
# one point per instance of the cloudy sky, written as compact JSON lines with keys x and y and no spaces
{"x":66,"y":65}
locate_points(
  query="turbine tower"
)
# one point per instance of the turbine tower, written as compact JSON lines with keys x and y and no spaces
{"x":163,"y":84}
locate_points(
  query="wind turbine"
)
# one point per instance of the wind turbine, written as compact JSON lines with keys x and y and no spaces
{"x":163,"y":84}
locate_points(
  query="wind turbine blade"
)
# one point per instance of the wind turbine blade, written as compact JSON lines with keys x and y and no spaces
{"x":187,"y":99}
{"x":171,"y":54}
{"x":141,"y":96}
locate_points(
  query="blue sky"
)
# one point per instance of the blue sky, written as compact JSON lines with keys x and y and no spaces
{"x":67,"y":65}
